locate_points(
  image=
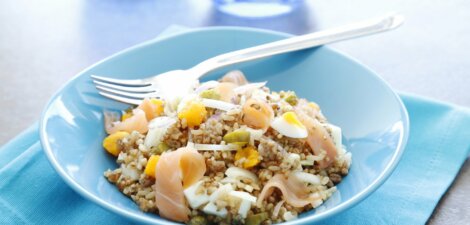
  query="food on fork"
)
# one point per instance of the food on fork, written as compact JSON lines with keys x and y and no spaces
{"x":228,"y":152}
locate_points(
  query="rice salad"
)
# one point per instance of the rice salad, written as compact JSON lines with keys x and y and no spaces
{"x":227,"y":152}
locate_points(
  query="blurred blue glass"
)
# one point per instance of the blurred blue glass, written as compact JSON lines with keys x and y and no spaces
{"x":257,"y":8}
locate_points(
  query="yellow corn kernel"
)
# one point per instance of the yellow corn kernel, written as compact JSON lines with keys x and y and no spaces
{"x":251,"y":156}
{"x":151,"y":165}
{"x":194,"y":113}
{"x":126,"y":116}
{"x":159,"y":105}
{"x":110,"y":143}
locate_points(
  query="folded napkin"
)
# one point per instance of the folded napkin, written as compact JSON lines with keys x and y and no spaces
{"x":31,"y":192}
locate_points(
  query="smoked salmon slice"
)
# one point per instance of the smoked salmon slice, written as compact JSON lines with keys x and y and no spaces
{"x":174,"y":171}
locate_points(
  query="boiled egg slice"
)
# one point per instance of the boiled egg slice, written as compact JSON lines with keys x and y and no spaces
{"x":289,"y":125}
{"x":195,"y":199}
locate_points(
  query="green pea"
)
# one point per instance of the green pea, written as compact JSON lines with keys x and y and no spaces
{"x":291,"y":98}
{"x":239,"y":137}
{"x":210,"y":94}
{"x":256,"y":219}
{"x":198,"y":220}
{"x":162,"y":147}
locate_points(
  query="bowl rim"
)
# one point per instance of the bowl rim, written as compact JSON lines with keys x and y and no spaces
{"x":390,"y":167}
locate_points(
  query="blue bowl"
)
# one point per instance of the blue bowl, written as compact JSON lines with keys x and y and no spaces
{"x":374,"y":121}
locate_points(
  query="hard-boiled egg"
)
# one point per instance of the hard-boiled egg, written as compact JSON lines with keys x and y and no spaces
{"x":195,"y":199}
{"x":246,"y":201}
{"x":289,"y":125}
{"x":211,"y":209}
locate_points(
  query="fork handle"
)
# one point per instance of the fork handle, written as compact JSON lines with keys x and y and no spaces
{"x":310,"y":40}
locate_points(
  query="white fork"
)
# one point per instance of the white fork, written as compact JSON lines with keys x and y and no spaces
{"x":174,"y":82}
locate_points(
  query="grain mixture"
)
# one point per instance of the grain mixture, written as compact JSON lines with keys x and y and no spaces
{"x":229,"y":152}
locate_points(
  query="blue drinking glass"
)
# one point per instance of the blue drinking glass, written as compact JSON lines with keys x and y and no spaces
{"x":257,"y":8}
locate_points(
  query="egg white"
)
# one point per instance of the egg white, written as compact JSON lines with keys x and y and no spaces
{"x":287,"y":129}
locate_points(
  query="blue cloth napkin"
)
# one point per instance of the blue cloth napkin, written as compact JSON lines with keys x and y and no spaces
{"x":32,"y":193}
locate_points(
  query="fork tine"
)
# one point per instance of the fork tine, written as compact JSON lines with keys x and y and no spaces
{"x":121,"y":81}
{"x":127,"y":94}
{"x":125,"y":88}
{"x":121,"y":99}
